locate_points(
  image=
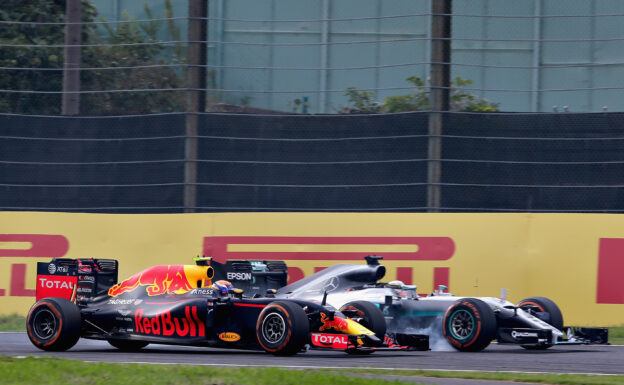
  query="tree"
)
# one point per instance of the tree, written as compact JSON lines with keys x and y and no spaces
{"x":92,"y":57}
{"x":461,"y":100}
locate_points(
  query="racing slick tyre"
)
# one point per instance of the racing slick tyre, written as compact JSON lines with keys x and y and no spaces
{"x":283,"y":328}
{"x":128,"y":345}
{"x":469,"y":325}
{"x":547,"y":306}
{"x":54,"y":324}
{"x":369,"y":316}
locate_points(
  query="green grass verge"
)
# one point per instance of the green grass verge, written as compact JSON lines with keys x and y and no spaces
{"x":12,"y":323}
{"x":53,"y":371}
{"x":566,"y":379}
{"x":616,"y":335}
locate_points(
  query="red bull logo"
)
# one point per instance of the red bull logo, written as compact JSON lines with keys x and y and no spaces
{"x":158,"y":279}
{"x":336,"y":323}
{"x":167,"y":325}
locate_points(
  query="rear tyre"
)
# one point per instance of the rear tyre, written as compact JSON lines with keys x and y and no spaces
{"x":469,"y":325}
{"x":369,"y":316}
{"x":283,"y":328}
{"x":549,"y":308}
{"x":128,"y":345}
{"x":54,"y":324}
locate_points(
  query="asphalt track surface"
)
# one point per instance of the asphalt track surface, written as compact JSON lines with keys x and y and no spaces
{"x":588,"y":359}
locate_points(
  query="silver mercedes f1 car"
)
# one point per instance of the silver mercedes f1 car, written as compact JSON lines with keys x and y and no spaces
{"x":467,"y":323}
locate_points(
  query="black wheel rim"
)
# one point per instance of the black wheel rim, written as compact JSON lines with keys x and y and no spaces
{"x":461,"y":324}
{"x":273,"y":328}
{"x":44,"y":324}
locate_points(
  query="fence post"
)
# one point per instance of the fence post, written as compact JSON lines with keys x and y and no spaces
{"x":439,"y":96}
{"x":196,"y":102}
{"x":70,"y":101}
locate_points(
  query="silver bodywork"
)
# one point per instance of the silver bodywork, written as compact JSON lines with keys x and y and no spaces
{"x":345,"y":283}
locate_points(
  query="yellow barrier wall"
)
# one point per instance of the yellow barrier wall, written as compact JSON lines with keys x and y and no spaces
{"x":575,"y":259}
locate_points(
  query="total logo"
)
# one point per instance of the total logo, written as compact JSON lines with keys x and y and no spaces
{"x":337,"y":341}
{"x":55,"y":284}
{"x":238,"y":276}
{"x":165,"y":324}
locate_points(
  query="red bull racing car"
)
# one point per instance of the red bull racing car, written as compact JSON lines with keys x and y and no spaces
{"x":190,"y":305}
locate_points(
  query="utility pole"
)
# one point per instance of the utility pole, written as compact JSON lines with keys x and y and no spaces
{"x":196,"y":98}
{"x":439,"y":96}
{"x":71,"y":64}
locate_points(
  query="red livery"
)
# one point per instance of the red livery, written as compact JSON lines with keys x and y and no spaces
{"x":180,"y":304}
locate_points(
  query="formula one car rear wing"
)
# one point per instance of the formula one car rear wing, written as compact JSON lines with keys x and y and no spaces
{"x":75,"y":278}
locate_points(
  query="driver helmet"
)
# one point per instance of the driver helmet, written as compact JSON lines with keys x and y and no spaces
{"x":223,"y":287}
{"x":395,"y":284}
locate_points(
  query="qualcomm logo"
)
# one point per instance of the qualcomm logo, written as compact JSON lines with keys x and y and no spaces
{"x":516,"y":334}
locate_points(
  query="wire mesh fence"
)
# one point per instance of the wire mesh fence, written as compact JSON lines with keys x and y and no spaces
{"x":328,"y":163}
{"x":331,"y":92}
{"x":532,"y":56}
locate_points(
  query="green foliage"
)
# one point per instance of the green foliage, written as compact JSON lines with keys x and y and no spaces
{"x":36,"y":11}
{"x":12,"y":323}
{"x":300,"y":105}
{"x":460,"y":100}
{"x":98,"y":56}
{"x":361,"y":101}
{"x":616,"y":335}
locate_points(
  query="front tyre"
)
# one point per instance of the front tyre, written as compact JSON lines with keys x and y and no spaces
{"x":551,"y":314}
{"x":369,"y":316}
{"x":54,"y":324}
{"x":283,"y":328}
{"x":546,"y":306}
{"x":469,"y":325}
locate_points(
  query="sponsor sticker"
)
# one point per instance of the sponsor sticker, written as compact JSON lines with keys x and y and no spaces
{"x":335,"y":341}
{"x":167,"y":324}
{"x":116,"y":301}
{"x":164,"y":279}
{"x":238,"y":276}
{"x":202,"y":291}
{"x":55,"y":286}
{"x":336,"y":323}
{"x":229,"y":337}
{"x":516,"y":334}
